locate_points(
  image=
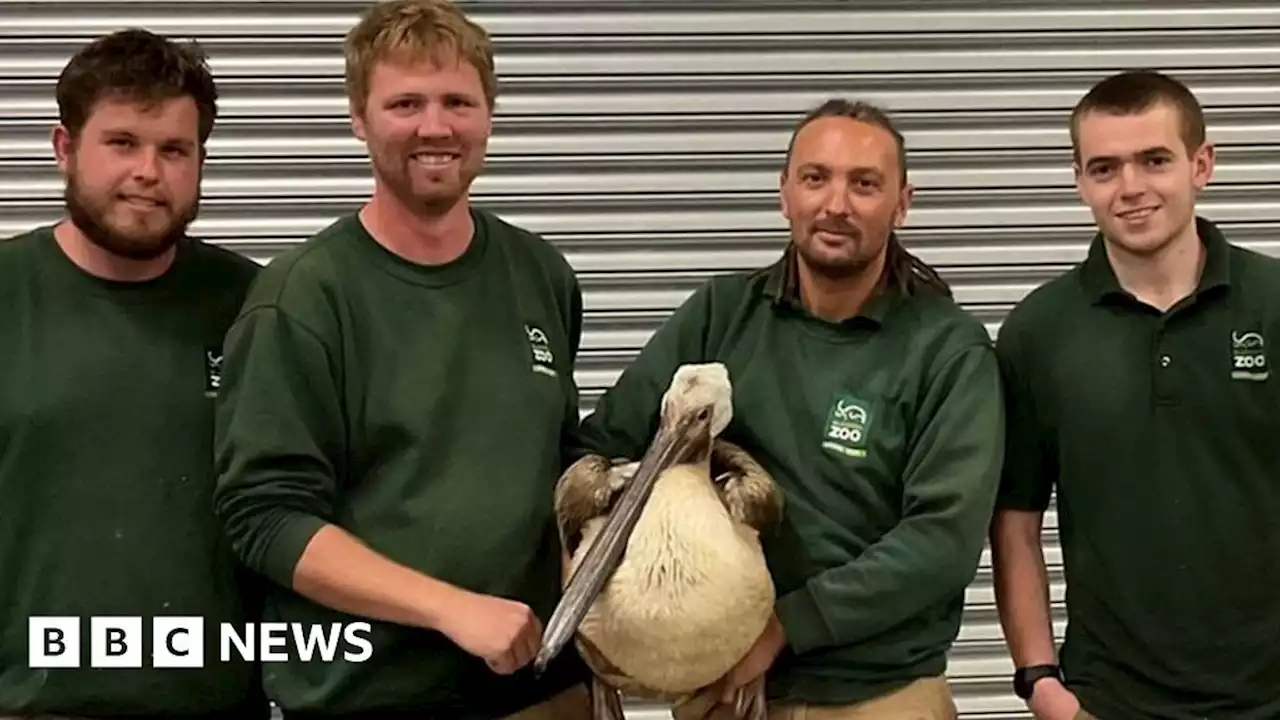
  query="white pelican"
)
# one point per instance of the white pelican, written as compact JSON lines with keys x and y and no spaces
{"x":668,"y":586}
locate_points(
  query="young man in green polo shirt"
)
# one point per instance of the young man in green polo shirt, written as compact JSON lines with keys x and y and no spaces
{"x":1139,"y":387}
{"x":399,"y":394}
{"x":111,"y":327}
{"x":873,"y":400}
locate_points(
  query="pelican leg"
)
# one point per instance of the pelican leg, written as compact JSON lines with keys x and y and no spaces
{"x":605,"y":703}
{"x":749,"y":701}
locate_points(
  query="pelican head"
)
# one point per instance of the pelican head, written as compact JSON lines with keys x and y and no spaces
{"x":695,"y":409}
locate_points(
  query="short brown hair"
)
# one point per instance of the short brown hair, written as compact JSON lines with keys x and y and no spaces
{"x":1136,"y":91}
{"x":406,"y":30}
{"x":137,"y":65}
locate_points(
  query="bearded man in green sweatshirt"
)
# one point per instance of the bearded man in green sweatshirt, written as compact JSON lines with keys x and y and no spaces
{"x":873,"y":400}
{"x":111,"y":326}
{"x":399,"y":392}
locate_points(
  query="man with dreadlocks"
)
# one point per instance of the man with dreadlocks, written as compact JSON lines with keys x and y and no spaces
{"x":874,"y":402}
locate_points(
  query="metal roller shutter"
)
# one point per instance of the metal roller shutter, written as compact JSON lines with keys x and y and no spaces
{"x":644,"y":139}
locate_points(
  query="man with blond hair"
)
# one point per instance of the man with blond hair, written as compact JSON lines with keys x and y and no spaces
{"x":397,"y":403}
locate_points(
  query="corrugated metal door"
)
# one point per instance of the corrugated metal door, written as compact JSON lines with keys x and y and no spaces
{"x":645,"y":139}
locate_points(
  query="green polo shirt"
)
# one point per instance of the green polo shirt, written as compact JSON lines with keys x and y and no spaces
{"x":884,"y":433}
{"x":1161,"y":434}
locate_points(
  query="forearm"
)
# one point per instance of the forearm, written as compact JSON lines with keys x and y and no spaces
{"x":1022,"y":587}
{"x":917,"y":565}
{"x":339,"y":571}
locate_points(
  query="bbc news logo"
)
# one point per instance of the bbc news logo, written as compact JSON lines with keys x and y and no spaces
{"x":178,"y":642}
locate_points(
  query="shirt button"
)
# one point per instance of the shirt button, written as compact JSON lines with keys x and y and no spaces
{"x":1165,"y":360}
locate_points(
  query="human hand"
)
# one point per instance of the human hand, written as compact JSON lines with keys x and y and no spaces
{"x":1051,"y":700}
{"x":504,"y":633}
{"x":756,"y":662}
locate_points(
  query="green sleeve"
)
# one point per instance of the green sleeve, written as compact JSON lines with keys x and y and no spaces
{"x":278,"y":437}
{"x":1029,"y":471}
{"x":570,"y":440}
{"x":626,"y":415}
{"x":950,"y":479}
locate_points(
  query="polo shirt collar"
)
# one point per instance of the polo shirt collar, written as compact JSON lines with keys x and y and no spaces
{"x":782,"y":287}
{"x":1100,"y":279}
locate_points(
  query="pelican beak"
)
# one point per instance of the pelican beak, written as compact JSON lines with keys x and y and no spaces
{"x":674,"y":442}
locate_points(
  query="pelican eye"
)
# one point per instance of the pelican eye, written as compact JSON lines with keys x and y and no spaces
{"x":704,"y":413}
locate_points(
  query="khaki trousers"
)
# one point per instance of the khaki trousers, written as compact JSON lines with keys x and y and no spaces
{"x":924,"y":699}
{"x":572,"y":704}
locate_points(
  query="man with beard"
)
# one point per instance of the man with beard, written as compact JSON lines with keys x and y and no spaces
{"x":873,"y":400}
{"x":1138,"y":387}
{"x":111,"y":323}
{"x":399,"y":392}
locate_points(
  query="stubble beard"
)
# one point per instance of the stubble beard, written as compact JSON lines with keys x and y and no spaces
{"x":832,"y":269}
{"x":399,"y":181}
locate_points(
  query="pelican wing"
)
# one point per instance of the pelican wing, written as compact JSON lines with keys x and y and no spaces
{"x":583,"y":492}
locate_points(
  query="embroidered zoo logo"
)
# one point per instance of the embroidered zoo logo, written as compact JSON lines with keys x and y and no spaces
{"x":1248,"y":356}
{"x":847,"y":424}
{"x":544,"y":360}
{"x":212,"y":371}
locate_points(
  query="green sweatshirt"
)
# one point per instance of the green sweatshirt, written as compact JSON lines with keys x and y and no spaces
{"x":106,"y":477}
{"x":885,"y":433}
{"x":422,"y":409}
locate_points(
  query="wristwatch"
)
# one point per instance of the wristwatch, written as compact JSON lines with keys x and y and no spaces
{"x":1025,"y":678}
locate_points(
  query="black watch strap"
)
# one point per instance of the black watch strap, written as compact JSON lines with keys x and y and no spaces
{"x":1024,"y":679}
